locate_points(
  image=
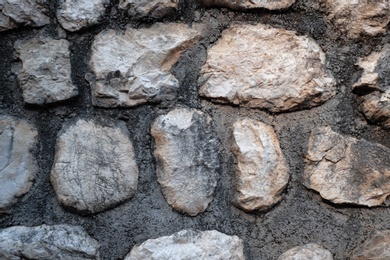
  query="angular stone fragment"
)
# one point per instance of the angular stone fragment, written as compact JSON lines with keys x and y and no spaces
{"x":133,"y":68}
{"x":249,"y":4}
{"x":187,"y":159}
{"x":94,"y":166}
{"x":347,"y":170}
{"x":262,"y":172}
{"x":15,"y":13}
{"x":18,"y":165}
{"x":376,"y":247}
{"x":190,"y":244}
{"x":47,"y":243}
{"x":307,"y":252}
{"x":271,"y":68}
{"x":74,"y":15}
{"x":45,"y":75}
{"x":152,"y":8}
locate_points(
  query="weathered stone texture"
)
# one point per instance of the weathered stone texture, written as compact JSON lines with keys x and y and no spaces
{"x":18,"y":165}
{"x":347,"y":170}
{"x":307,"y":252}
{"x":74,"y":15}
{"x":94,"y":167}
{"x":377,"y":247}
{"x":249,"y":4}
{"x":45,"y":73}
{"x":187,"y":159}
{"x":47,"y":243}
{"x":151,"y":8}
{"x":262,"y":172}
{"x":263,"y":67}
{"x":190,"y":244}
{"x":133,"y":68}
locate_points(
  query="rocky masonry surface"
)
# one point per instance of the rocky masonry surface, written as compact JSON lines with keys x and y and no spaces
{"x":180,"y":129}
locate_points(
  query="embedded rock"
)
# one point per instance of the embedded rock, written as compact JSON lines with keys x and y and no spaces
{"x":271,"y":69}
{"x":187,"y":159}
{"x":15,"y":13}
{"x":262,"y":172}
{"x":190,"y":244}
{"x":45,"y":73}
{"x":47,"y":243}
{"x":152,"y":8}
{"x":376,"y":247}
{"x":133,"y":68}
{"x":18,"y":165}
{"x":347,"y":170}
{"x":249,"y":4}
{"x":307,"y":252}
{"x":74,"y":15}
{"x":94,"y":166}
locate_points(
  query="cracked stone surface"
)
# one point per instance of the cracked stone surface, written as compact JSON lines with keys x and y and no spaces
{"x":186,"y":150}
{"x":152,"y":8}
{"x":18,"y":165}
{"x":190,"y":244}
{"x":47,"y":243}
{"x":272,"y":69}
{"x":134,"y":68}
{"x":16,"y":13}
{"x":249,"y":4}
{"x":94,"y":167}
{"x":377,"y":247}
{"x":344,"y":169}
{"x":45,"y":72}
{"x":74,"y":15}
{"x":262,"y":172}
{"x":307,"y":252}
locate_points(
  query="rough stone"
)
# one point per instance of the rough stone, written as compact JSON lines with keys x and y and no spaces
{"x":45,"y":73}
{"x":377,"y":247}
{"x":47,"y":243}
{"x":347,"y":170}
{"x":307,"y":252}
{"x":18,"y":166}
{"x":74,"y":15}
{"x":271,"y":69}
{"x":262,"y":172}
{"x":152,"y":8}
{"x":133,"y":68}
{"x":94,"y":166}
{"x":15,"y":13}
{"x":187,"y":159}
{"x":190,"y":244}
{"x":249,"y":4}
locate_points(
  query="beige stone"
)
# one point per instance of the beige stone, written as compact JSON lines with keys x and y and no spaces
{"x":377,"y":247}
{"x":307,"y":252}
{"x":150,"y":8}
{"x":249,"y":4}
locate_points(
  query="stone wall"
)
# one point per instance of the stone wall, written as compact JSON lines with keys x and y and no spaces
{"x":200,"y":129}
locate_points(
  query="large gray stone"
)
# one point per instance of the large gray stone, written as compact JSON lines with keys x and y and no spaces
{"x":45,"y":73}
{"x":271,"y":68}
{"x":347,"y":170}
{"x":47,"y":243}
{"x":187,"y":159}
{"x":94,"y":167}
{"x":249,"y":4}
{"x":134,"y":68}
{"x":377,"y":247}
{"x":150,"y":8}
{"x":307,"y":252}
{"x":190,"y":245}
{"x":262,"y":172}
{"x":18,"y":165}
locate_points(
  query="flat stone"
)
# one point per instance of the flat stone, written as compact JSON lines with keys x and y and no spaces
{"x":307,"y":252}
{"x":45,"y":73}
{"x":190,"y":244}
{"x":249,"y":4}
{"x":376,"y":247}
{"x":16,"y":13}
{"x":187,"y":159}
{"x":271,"y":69}
{"x":347,"y":170}
{"x":94,"y":167}
{"x":18,"y":165}
{"x":134,"y":68}
{"x":74,"y":15}
{"x":47,"y":243}
{"x":152,"y":8}
{"x":262,"y":172}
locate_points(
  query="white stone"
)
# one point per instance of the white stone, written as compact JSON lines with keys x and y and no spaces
{"x":249,"y":4}
{"x":307,"y":252}
{"x":377,"y":247}
{"x":150,"y":8}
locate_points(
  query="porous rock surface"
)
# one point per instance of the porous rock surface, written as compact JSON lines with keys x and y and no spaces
{"x":272,"y":69}
{"x":45,"y":73}
{"x":133,"y":68}
{"x":347,"y":170}
{"x":151,"y":8}
{"x":262,"y":172}
{"x":187,"y":159}
{"x":18,"y":165}
{"x":249,"y":4}
{"x":307,"y":252}
{"x":94,"y":166}
{"x":47,"y":243}
{"x":377,"y":247}
{"x":190,"y":244}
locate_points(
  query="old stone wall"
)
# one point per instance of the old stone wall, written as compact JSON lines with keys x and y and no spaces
{"x":184,"y":129}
